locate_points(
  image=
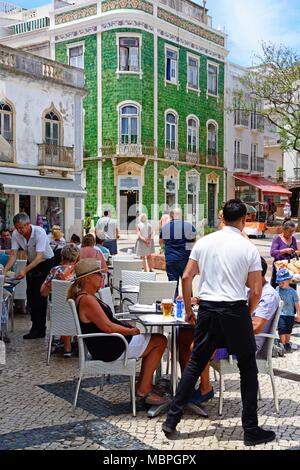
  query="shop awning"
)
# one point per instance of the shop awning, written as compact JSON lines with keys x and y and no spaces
{"x":39,"y":186}
{"x":265,"y":185}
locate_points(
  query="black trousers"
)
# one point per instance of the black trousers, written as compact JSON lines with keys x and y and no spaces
{"x":221,"y":324}
{"x":36,"y":303}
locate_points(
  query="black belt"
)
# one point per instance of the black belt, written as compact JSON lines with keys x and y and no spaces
{"x":222,"y":304}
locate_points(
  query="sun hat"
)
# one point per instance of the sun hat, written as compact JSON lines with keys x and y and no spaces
{"x":283,"y":275}
{"x":87,"y":266}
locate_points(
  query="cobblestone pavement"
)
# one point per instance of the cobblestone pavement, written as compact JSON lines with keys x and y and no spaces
{"x":36,"y":407}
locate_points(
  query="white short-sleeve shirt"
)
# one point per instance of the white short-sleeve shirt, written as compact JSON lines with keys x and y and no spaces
{"x":225,"y":258}
{"x":111,"y":232}
{"x":37,"y":243}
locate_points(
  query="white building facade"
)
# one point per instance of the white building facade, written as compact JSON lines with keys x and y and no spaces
{"x":251,"y":169}
{"x":41,"y":146}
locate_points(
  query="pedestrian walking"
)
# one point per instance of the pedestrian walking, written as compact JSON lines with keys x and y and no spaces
{"x":145,"y":244}
{"x":34,"y":241}
{"x":177,"y":236}
{"x":107,"y":229}
{"x":225,"y":262}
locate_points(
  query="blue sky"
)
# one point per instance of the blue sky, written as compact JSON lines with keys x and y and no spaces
{"x":247,"y":22}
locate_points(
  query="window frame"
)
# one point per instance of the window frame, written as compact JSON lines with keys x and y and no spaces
{"x":217,"y":66}
{"x":171,"y":111}
{"x":176,"y":182}
{"x":45,"y":120}
{"x":129,"y":72}
{"x":211,"y":121}
{"x":194,"y":195}
{"x":122,"y":105}
{"x":10,"y":115}
{"x":72,"y":46}
{"x":171,"y":48}
{"x":197,"y":58}
{"x":196,"y":119}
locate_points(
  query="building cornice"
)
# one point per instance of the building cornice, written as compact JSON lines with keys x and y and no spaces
{"x":137,"y":20}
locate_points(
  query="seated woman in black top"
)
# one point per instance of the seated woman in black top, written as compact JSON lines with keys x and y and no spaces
{"x":96,"y":317}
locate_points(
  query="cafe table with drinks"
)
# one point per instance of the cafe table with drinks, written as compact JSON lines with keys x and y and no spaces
{"x":165,"y":314}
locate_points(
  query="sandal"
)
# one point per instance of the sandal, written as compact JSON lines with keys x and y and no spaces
{"x":154,"y":397}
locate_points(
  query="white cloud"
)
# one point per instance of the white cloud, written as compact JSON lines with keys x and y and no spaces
{"x":248,"y":22}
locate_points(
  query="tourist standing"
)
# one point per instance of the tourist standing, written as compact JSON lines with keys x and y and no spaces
{"x":145,"y":243}
{"x":226,"y":263}
{"x":177,"y":237}
{"x":284,"y":247}
{"x":34,"y":241}
{"x":107,"y":229}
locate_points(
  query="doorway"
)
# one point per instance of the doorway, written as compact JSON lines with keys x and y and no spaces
{"x":129,"y":209}
{"x":211,"y":204}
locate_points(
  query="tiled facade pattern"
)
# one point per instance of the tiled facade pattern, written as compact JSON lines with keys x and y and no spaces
{"x":130,"y":4}
{"x":74,"y":15}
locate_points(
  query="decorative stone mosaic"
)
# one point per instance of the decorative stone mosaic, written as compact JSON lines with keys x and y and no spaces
{"x":76,"y":34}
{"x":189,"y":44}
{"x":192,"y":28}
{"x":76,"y":14}
{"x":131,"y":4}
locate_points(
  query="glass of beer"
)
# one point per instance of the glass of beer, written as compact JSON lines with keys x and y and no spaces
{"x":167,"y":306}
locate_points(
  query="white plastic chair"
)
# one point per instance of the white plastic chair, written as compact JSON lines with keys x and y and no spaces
{"x":104,"y":294}
{"x":119,"y":266}
{"x":133,"y":278}
{"x":90,"y":367}
{"x":151,"y":291}
{"x":61,"y":319}
{"x":263,"y":360}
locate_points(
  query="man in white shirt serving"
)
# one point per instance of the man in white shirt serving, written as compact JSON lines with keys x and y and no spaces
{"x":226,"y":263}
{"x":34,"y":241}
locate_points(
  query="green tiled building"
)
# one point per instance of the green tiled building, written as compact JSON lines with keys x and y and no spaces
{"x":154,"y":123}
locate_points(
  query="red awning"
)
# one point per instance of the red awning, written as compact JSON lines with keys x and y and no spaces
{"x":266,"y":186}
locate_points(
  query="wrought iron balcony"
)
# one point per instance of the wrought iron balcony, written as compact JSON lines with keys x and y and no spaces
{"x":241,"y":162}
{"x":212,"y":158}
{"x":258,"y":165}
{"x":281,"y":175}
{"x":297,"y":174}
{"x":257,"y":122}
{"x":171,"y":154}
{"x":241,"y":118}
{"x":56,"y":156}
{"x":192,"y":157}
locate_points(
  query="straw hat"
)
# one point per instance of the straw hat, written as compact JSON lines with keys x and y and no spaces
{"x":87,"y":266}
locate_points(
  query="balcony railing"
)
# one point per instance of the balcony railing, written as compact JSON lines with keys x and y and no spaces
{"x":192,"y":157}
{"x":241,"y":162}
{"x":257,"y":122}
{"x":171,"y":154}
{"x":297,"y":174}
{"x":258,"y":164}
{"x":281,"y":176}
{"x":241,"y":118}
{"x":56,"y":156}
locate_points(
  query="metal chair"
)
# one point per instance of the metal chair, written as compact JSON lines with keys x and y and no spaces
{"x":151,"y":291}
{"x":19,"y":291}
{"x":61,"y":319}
{"x":90,"y":367}
{"x":263,"y":360}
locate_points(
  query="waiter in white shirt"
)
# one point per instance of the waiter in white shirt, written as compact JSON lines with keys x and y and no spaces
{"x":226,"y":262}
{"x":34,"y":241}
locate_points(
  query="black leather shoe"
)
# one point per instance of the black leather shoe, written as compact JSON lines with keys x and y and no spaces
{"x":168,"y":430}
{"x":253,"y":437}
{"x":34,"y":335}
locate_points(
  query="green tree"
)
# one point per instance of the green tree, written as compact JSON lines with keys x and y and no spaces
{"x":275,"y":83}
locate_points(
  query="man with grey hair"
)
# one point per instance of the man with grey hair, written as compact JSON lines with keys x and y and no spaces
{"x":34,"y":241}
{"x":177,"y":237}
